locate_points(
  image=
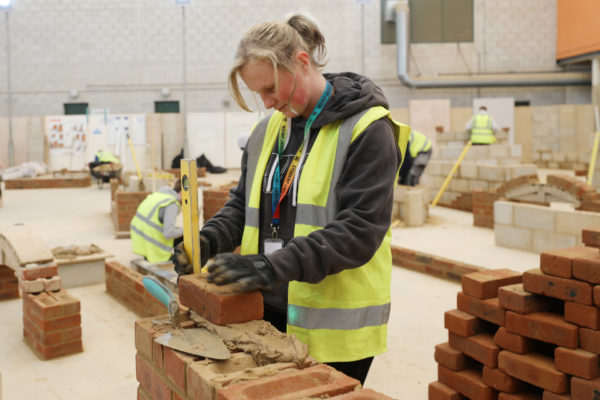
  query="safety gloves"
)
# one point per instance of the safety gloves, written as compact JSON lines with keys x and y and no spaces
{"x":180,"y":260}
{"x":246,"y":273}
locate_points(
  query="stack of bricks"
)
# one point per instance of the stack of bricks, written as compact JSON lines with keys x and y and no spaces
{"x":214,"y":199}
{"x":9,"y":285}
{"x":529,"y":336}
{"x":123,"y":207}
{"x":69,"y":179}
{"x":51,"y":316}
{"x":164,"y":373}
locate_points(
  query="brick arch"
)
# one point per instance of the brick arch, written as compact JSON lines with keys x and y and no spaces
{"x":528,"y":188}
{"x":19,"y":246}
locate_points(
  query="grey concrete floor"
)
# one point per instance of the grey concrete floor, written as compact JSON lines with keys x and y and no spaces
{"x":106,"y":368}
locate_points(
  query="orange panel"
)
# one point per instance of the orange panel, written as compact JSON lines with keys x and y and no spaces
{"x":578,"y":28}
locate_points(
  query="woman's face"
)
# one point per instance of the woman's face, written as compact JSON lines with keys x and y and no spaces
{"x":290,"y":97}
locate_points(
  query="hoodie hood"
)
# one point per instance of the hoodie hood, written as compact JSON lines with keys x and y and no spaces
{"x":352,"y":93}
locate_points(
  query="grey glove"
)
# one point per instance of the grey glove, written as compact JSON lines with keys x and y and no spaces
{"x":247,"y":273}
{"x":180,"y":260}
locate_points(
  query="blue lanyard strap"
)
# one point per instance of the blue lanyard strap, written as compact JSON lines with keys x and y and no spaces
{"x":275,"y":199}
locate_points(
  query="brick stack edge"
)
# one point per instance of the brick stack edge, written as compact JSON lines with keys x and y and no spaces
{"x":51,"y":316}
{"x":164,"y":373}
{"x":526,"y":336}
{"x":83,"y":180}
{"x":9,"y":285}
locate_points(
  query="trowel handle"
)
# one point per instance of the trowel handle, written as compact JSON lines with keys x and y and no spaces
{"x":158,"y":290}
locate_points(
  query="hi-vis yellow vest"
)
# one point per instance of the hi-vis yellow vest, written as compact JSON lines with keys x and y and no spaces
{"x":481,"y":130}
{"x":146,"y":229}
{"x":106,"y":156}
{"x":418,"y":143}
{"x":344,"y":317}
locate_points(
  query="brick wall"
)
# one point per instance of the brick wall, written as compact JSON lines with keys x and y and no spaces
{"x":123,"y":207}
{"x":72,"y":179}
{"x":213,"y":200}
{"x":126,"y":286}
{"x":533,"y":335}
{"x":9,"y":285}
{"x":430,"y":264}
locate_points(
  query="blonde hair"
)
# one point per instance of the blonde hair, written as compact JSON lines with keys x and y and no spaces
{"x":276,"y":42}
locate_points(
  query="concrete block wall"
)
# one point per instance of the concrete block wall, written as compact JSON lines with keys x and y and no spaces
{"x":69,"y":179}
{"x":539,"y":228}
{"x":411,"y":204}
{"x":526,"y":336}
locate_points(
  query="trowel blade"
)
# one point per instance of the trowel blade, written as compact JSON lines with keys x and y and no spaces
{"x":196,"y":341}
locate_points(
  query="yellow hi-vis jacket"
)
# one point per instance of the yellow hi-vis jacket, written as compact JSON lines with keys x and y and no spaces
{"x":146,"y":229}
{"x":418,"y":143}
{"x":106,"y":156}
{"x":481,"y":130}
{"x":343,"y":317}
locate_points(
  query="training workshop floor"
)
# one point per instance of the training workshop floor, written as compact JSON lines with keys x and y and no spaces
{"x":106,"y":368}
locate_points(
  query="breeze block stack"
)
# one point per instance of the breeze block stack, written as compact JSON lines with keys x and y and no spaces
{"x":526,"y":336}
{"x":167,"y":374}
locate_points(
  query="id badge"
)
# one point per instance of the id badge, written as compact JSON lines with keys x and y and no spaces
{"x":272,"y":245}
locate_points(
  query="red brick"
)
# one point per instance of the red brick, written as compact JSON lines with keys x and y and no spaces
{"x":484,"y":284}
{"x":43,"y":271}
{"x":543,"y":326}
{"x":151,"y":381}
{"x":145,"y":332}
{"x":585,"y":389}
{"x":528,"y":395}
{"x":219,"y":304}
{"x":582,"y":315}
{"x":53,"y":324}
{"x":495,"y":378}
{"x":512,"y":341}
{"x":52,"y":305}
{"x":596,"y":294}
{"x":589,"y":340}
{"x":52,"y":351}
{"x":461,"y":323}
{"x":450,"y":358}
{"x":587,"y":268}
{"x":50,"y":338}
{"x":515,"y":298}
{"x":438,"y":391}
{"x":481,"y":347}
{"x":318,"y":381}
{"x":577,"y":362}
{"x":591,"y":237}
{"x":553,"y":396}
{"x":468,"y":383}
{"x":362,"y":394}
{"x":535,"y":281}
{"x":560,"y":262}
{"x":488,"y":309}
{"x":534,"y":368}
{"x":176,"y":364}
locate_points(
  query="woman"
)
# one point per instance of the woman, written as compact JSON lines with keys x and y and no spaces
{"x":313,"y":206}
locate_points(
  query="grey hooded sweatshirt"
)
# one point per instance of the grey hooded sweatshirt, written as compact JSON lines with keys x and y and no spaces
{"x":364,"y":194}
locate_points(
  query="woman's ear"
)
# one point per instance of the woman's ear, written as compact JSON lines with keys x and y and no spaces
{"x":303,"y":59}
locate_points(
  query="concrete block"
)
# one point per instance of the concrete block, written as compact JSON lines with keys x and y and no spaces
{"x":486,"y":161}
{"x":513,"y":237}
{"x":446,"y":167}
{"x":498,"y":151}
{"x":491,"y":173}
{"x":534,"y":217}
{"x":573,"y":222}
{"x":450,"y":152}
{"x":478,"y":184}
{"x":434,"y":167}
{"x":515,"y":171}
{"x":516,"y":151}
{"x":468,"y":170}
{"x":415,"y":212}
{"x":459,"y":185}
{"x":503,"y":213}
{"x":546,"y":241}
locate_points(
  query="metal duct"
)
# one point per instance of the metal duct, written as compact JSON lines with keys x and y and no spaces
{"x":400,"y":10}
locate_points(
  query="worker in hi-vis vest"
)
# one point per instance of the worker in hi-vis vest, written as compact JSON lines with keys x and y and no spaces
{"x":419,"y":154}
{"x":482,"y":127}
{"x":153,"y":230}
{"x":313,"y":207}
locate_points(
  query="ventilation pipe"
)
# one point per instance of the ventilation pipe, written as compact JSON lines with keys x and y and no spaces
{"x":398,"y":11}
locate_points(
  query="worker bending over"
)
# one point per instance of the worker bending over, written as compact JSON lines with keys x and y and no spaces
{"x":482,"y":127}
{"x":153,"y":230}
{"x":420,"y":150}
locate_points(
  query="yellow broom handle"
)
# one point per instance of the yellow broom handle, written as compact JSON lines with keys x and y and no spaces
{"x":449,"y":177}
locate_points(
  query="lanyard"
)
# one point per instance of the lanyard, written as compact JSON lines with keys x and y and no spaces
{"x":279,"y":192}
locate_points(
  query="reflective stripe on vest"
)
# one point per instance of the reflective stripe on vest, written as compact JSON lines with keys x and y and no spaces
{"x":344,"y":317}
{"x":146,"y":230}
{"x":481,"y":131}
{"x":418,"y":143}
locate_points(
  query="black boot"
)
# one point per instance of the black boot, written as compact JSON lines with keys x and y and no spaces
{"x":202,"y":161}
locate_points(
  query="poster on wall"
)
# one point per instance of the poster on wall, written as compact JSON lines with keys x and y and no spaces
{"x":66,"y":135}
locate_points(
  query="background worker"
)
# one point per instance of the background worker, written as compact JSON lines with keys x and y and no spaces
{"x":482,"y":127}
{"x":153,"y":230}
{"x":312,"y":221}
{"x":420,"y":151}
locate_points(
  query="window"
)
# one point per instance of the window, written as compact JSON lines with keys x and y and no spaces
{"x":165,"y":106}
{"x":522,"y":103}
{"x":441,"y":21}
{"x":75,"y":108}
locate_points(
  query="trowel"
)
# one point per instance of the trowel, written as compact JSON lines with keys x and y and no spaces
{"x":196,"y":341}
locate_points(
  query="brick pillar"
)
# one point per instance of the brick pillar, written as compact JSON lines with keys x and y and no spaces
{"x":483,"y":207}
{"x":9,"y":285}
{"x":213,"y":200}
